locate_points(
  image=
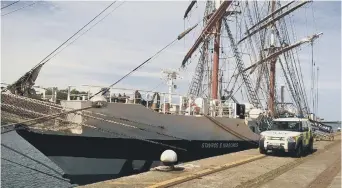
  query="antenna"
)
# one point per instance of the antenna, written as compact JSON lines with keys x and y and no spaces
{"x":170,"y":76}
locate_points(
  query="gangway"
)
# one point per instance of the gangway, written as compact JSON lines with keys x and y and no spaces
{"x":322,"y":131}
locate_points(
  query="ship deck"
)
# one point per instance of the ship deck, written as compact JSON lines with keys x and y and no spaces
{"x":246,"y":169}
{"x":182,"y":126}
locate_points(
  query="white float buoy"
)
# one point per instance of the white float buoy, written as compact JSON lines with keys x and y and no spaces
{"x":98,"y":101}
{"x":168,"y":157}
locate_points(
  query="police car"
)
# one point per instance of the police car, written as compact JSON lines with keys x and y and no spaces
{"x":292,"y":135}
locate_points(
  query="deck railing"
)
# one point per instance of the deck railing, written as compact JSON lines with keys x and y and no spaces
{"x":179,"y":104}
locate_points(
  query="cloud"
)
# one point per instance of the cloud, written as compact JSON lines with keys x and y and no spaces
{"x":133,"y":33}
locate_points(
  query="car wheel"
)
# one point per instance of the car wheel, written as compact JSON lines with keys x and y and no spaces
{"x":262,"y":151}
{"x":310,"y":147}
{"x":298,"y":152}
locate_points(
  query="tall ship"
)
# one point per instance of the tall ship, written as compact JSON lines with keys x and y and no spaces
{"x":105,"y":135}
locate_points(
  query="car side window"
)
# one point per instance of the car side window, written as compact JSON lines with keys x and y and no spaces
{"x":305,"y":126}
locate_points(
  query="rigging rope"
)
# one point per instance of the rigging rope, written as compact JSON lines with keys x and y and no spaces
{"x":9,"y":4}
{"x":59,"y":108}
{"x":302,"y":88}
{"x":83,"y":33}
{"x":291,"y":65}
{"x":56,"y":115}
{"x":43,"y":61}
{"x":227,"y":129}
{"x":135,"y":69}
{"x":20,"y":8}
{"x":46,"y":116}
{"x":263,"y":70}
{"x":312,"y":78}
{"x":179,"y":37}
{"x":110,"y":121}
{"x":20,"y":109}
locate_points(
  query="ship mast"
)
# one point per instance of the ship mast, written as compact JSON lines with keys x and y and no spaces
{"x":275,"y":51}
{"x":271,"y":99}
{"x":216,"y":57}
{"x":215,"y":11}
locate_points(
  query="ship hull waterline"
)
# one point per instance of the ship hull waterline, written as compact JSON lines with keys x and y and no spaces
{"x":87,"y":160}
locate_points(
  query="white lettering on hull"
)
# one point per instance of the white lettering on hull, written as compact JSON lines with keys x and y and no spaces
{"x":219,"y":145}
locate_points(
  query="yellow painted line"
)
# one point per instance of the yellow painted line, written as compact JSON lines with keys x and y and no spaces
{"x":130,"y":183}
{"x":205,"y":172}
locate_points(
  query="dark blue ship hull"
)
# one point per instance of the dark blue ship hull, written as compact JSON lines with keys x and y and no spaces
{"x":97,"y":155}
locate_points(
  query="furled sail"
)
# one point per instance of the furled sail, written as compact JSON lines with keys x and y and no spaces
{"x":23,"y":86}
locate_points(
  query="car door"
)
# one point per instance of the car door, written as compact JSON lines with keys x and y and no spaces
{"x":306,"y":135}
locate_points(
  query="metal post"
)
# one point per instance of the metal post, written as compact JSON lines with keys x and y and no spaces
{"x":110,"y":96}
{"x":88,"y":93}
{"x":164,"y":107}
{"x":69,"y":87}
{"x":134,"y":98}
{"x":170,"y":88}
{"x":317,"y":91}
{"x":44,"y":94}
{"x":180,"y":105}
{"x":55,"y":99}
{"x":147,"y":99}
{"x":221,"y":109}
{"x":190,"y":101}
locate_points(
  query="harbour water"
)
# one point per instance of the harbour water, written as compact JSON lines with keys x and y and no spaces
{"x":20,"y":171}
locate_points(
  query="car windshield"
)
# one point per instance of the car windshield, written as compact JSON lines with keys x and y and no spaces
{"x":286,"y":126}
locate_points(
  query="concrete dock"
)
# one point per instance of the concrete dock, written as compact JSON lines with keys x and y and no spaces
{"x":246,"y":169}
{"x":336,"y":183}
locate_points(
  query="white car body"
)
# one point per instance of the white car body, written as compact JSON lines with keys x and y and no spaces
{"x":281,"y":138}
{"x":278,"y":138}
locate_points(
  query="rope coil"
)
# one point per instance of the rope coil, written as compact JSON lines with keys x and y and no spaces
{"x":43,"y":116}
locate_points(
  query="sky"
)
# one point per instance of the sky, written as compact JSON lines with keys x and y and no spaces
{"x":134,"y":32}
